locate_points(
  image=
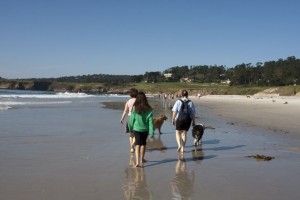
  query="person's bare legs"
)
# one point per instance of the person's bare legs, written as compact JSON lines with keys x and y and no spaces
{"x":143,"y":150}
{"x":137,"y":155}
{"x":178,"y":139}
{"x":131,"y":141}
{"x":183,"y":139}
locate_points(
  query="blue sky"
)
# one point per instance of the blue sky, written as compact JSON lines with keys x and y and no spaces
{"x":54,"y":38}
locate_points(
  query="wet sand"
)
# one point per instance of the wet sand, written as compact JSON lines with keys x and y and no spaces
{"x":91,"y":160}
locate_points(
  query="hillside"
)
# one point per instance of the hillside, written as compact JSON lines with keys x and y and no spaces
{"x":153,"y":88}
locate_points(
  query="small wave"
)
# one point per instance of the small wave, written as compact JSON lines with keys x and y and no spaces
{"x":4,"y":107}
{"x":12,"y":103}
{"x":73,"y":95}
{"x":59,"y":95}
{"x":115,"y":95}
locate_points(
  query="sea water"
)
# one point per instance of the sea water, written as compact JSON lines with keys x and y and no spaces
{"x":18,"y":99}
{"x":53,"y":144}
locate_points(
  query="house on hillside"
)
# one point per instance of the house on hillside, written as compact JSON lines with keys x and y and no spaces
{"x":226,"y":81}
{"x":168,"y":75}
{"x":186,"y":80}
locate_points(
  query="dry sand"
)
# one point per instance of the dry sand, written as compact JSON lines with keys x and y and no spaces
{"x":280,"y":114}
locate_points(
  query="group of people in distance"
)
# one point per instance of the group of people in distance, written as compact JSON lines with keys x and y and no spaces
{"x":140,"y":122}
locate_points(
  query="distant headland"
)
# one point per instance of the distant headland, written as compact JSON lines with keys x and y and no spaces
{"x":151,"y":88}
{"x":281,"y":77}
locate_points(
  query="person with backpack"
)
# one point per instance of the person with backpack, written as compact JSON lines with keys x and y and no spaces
{"x":183,"y":115}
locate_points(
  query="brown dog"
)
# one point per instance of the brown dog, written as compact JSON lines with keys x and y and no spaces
{"x":158,"y":122}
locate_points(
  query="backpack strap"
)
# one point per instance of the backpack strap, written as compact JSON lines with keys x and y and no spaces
{"x":183,"y":102}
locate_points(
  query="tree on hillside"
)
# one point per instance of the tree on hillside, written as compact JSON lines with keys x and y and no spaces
{"x":177,"y":72}
{"x":270,"y":73}
{"x":152,"y":77}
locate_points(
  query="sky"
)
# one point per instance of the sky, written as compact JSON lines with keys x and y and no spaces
{"x":55,"y":38}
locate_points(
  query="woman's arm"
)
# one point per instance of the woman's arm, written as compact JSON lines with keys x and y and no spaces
{"x":174,"y":109}
{"x":173,"y":117}
{"x":126,"y":109}
{"x":151,"y":125}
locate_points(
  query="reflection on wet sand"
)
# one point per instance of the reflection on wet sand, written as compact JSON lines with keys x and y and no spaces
{"x":156,"y":144}
{"x":183,"y":183}
{"x":197,"y":155}
{"x":135,"y":185}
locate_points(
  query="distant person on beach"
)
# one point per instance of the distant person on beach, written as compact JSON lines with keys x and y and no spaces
{"x":183,"y":116}
{"x":141,"y":124}
{"x":127,"y":110}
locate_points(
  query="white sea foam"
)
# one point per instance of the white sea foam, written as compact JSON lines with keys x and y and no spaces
{"x":12,"y":103}
{"x":116,"y":95}
{"x":48,"y":96}
{"x":4,"y":107}
{"x":11,"y":100}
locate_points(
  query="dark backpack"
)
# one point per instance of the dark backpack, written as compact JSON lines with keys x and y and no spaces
{"x":184,"y":113}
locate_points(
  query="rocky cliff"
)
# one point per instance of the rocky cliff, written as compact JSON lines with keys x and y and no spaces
{"x":16,"y":85}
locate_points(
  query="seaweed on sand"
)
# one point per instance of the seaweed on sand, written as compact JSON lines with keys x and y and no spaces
{"x":262,"y":157}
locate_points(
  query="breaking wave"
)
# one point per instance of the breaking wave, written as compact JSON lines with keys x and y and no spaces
{"x":47,"y":96}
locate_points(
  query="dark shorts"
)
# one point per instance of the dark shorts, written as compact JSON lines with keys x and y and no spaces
{"x":183,"y":125}
{"x":140,"y":137}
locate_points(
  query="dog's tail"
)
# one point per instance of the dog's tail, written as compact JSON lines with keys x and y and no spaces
{"x":209,"y":127}
{"x":206,"y":127}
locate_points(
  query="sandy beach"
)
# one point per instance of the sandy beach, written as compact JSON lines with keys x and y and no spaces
{"x":80,"y":151}
{"x":279,"y":113}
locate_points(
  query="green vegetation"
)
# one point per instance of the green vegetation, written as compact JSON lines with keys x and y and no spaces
{"x":155,"y":88}
{"x":288,"y":90}
{"x":271,"y":73}
{"x":243,"y":79}
{"x":194,"y":88}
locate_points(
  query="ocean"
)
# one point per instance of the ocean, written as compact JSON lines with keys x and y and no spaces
{"x":67,"y":146}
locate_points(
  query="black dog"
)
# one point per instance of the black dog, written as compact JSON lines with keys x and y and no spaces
{"x":197,"y":132}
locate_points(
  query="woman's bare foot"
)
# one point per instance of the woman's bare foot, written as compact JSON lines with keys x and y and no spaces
{"x":137,"y":165}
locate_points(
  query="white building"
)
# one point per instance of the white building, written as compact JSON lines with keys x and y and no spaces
{"x":168,"y":75}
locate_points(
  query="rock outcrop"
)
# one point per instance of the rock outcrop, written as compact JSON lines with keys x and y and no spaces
{"x":16,"y":85}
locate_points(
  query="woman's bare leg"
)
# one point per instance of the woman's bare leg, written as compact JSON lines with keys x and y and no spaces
{"x":131,"y":141}
{"x":143,"y":148}
{"x":178,"y":139}
{"x":183,"y":139}
{"x":137,"y":155}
